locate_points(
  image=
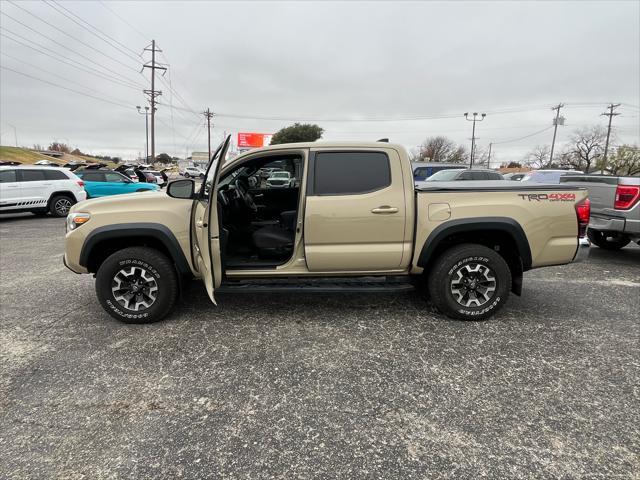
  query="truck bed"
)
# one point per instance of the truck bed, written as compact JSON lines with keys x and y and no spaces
{"x":544,"y":216}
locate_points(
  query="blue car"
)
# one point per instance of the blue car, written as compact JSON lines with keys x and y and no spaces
{"x":100,"y":183}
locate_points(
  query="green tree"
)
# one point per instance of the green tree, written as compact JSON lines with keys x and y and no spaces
{"x":298,"y":132}
{"x":163,"y":158}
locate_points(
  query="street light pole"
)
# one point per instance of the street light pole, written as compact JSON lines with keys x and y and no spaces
{"x":473,"y":132}
{"x":146,"y":129}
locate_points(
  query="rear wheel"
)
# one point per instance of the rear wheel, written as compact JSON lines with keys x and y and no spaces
{"x":608,"y":240}
{"x":137,"y":285}
{"x":60,"y":205}
{"x":469,"y":282}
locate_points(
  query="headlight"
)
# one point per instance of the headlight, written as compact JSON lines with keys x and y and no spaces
{"x":74,"y":220}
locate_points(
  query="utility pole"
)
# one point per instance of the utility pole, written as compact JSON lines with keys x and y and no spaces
{"x":556,"y":121}
{"x":208,"y":115}
{"x":609,"y":114}
{"x":473,"y":132}
{"x":153,"y":93}
{"x":146,"y":130}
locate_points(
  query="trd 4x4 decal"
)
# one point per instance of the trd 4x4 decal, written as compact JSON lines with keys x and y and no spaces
{"x":550,"y":197}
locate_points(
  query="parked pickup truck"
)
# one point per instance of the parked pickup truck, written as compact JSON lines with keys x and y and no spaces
{"x":354,"y":221}
{"x":615,"y":208}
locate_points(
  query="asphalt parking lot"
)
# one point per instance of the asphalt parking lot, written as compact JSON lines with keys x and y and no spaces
{"x":317,"y":386}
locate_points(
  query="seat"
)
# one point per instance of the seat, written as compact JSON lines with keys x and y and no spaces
{"x":276,"y":241}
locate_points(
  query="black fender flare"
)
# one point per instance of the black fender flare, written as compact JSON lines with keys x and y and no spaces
{"x":153,"y":230}
{"x":477,"y":224}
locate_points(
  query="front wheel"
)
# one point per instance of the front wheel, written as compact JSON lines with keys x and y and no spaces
{"x":608,"y":240}
{"x":186,"y":175}
{"x":469,"y":282}
{"x":137,"y":285}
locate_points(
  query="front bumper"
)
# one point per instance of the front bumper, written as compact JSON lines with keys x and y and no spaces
{"x":582,"y":252}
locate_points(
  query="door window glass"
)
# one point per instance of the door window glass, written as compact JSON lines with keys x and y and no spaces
{"x":93,"y":177}
{"x":32,"y":175}
{"x":349,"y":173}
{"x":7,"y":176}
{"x":114,"y":178}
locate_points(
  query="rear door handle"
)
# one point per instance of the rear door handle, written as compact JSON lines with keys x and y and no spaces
{"x":385,"y":209}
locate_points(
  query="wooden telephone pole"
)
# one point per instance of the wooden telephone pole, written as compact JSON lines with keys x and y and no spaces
{"x":208,"y":115}
{"x":153,"y":93}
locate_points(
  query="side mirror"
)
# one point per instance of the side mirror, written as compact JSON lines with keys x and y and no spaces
{"x":183,"y":188}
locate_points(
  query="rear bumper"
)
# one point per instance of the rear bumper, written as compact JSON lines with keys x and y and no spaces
{"x":582,"y":252}
{"x":81,"y":195}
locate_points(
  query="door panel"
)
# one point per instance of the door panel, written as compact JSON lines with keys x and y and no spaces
{"x":357,"y":232}
{"x":204,"y":224}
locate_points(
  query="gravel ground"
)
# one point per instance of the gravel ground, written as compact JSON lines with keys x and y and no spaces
{"x":317,"y":386}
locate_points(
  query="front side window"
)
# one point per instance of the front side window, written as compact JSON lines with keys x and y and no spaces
{"x":32,"y":175}
{"x":350,"y":173}
{"x":7,"y":176}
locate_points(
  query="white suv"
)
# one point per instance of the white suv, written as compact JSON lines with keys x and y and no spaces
{"x":40,"y":190}
{"x":192,"y":172}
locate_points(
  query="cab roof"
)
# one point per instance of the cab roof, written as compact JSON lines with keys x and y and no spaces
{"x":323,"y":144}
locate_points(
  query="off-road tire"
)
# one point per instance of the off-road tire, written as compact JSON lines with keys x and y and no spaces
{"x":155,"y":265}
{"x":60,"y":205}
{"x":444,"y":273}
{"x":607,"y":242}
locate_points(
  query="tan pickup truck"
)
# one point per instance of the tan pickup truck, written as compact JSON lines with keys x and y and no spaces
{"x":350,"y":219}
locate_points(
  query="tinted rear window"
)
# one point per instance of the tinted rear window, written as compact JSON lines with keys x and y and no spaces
{"x":32,"y":175}
{"x":55,"y":175}
{"x":348,"y":173}
{"x":7,"y":176}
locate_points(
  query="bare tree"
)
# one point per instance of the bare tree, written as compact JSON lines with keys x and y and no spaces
{"x":538,"y":157}
{"x":439,"y":149}
{"x":586,"y":147}
{"x":625,"y":162}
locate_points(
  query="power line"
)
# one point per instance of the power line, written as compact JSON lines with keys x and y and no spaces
{"x":102,"y":99}
{"x":40,"y":69}
{"x":69,"y":61}
{"x":76,"y":39}
{"x":57,"y":43}
{"x":92,"y":29}
{"x":142,"y":35}
{"x":523,"y":138}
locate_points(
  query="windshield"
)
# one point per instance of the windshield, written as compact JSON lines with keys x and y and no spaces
{"x":280,"y":175}
{"x":443,"y":176}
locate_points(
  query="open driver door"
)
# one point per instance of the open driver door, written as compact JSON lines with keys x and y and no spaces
{"x":205,"y":230}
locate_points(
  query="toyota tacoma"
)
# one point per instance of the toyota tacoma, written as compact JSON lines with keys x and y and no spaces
{"x":354,"y":221}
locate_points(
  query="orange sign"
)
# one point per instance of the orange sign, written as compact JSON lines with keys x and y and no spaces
{"x":253,"y":140}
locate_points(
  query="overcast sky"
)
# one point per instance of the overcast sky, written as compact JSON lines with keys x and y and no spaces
{"x":344,"y":65}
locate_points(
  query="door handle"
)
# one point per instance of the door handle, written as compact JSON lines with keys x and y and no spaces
{"x":200,"y":224}
{"x":385,"y":209}
{"x":258,"y":195}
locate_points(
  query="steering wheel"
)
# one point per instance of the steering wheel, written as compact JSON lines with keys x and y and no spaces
{"x":242,"y":194}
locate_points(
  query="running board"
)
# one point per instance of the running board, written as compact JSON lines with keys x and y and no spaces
{"x":318,"y":285}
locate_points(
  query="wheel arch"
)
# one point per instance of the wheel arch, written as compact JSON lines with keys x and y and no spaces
{"x":502,"y":234}
{"x":104,"y":241}
{"x":61,"y":193}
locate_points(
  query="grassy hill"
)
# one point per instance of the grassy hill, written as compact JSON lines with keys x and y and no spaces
{"x":24,"y":155}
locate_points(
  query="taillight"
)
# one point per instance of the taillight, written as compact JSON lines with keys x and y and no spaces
{"x":80,"y":183}
{"x":626,"y":196}
{"x":583,"y":211}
